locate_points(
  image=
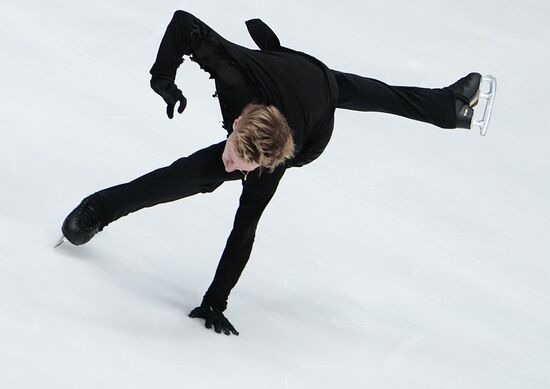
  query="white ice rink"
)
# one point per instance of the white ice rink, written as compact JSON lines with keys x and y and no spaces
{"x":406,"y":256}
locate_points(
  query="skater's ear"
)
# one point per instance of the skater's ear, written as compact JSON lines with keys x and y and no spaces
{"x":236,"y":123}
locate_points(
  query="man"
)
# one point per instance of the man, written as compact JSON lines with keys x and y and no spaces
{"x":278,"y":108}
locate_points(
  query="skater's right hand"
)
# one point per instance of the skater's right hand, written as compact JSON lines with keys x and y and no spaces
{"x":214,"y":318}
{"x":170,"y":93}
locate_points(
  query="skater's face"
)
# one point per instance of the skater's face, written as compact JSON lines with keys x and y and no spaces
{"x":231,"y":159}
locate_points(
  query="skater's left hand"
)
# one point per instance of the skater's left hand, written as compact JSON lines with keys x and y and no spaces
{"x":215,"y":318}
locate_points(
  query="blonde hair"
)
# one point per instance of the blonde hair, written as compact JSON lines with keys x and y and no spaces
{"x":263,"y":136}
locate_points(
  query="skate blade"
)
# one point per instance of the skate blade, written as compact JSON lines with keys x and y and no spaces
{"x":60,"y":242}
{"x":482,"y":123}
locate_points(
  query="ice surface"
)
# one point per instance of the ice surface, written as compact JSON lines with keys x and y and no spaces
{"x":406,"y":257}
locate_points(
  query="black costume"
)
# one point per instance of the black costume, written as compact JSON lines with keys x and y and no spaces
{"x":305,"y":91}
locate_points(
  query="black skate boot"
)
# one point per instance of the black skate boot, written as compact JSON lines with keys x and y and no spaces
{"x":83,"y":222}
{"x":466,"y":91}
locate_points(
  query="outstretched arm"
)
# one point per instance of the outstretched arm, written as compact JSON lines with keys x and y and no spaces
{"x":256,"y":194}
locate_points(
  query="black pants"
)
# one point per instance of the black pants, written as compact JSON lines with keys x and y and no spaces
{"x":204,"y":171}
{"x":435,"y":106}
{"x":201,"y":172}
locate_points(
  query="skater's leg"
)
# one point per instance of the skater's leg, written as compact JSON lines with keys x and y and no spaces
{"x":435,"y":106}
{"x":200,"y":172}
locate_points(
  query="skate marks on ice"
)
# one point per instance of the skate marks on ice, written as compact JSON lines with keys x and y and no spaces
{"x":145,"y":279}
{"x":68,"y":38}
{"x":327,"y":376}
{"x":433,"y":355}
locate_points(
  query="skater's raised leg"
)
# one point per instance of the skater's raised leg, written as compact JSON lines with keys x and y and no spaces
{"x":449,"y":107}
{"x":435,"y":106}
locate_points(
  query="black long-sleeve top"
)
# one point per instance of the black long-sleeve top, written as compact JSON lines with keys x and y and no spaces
{"x":299,"y":85}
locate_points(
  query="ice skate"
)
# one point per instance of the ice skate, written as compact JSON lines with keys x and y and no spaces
{"x":468,"y":91}
{"x":83,"y":222}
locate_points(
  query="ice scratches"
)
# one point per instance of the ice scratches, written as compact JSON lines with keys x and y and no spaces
{"x":401,"y":351}
{"x":326,"y":376}
{"x":131,"y":49}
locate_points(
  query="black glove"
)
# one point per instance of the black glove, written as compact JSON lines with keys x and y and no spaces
{"x":170,"y":93}
{"x":214,"y":317}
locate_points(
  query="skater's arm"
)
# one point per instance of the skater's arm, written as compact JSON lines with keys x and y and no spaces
{"x":257,"y":192}
{"x":186,"y":35}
